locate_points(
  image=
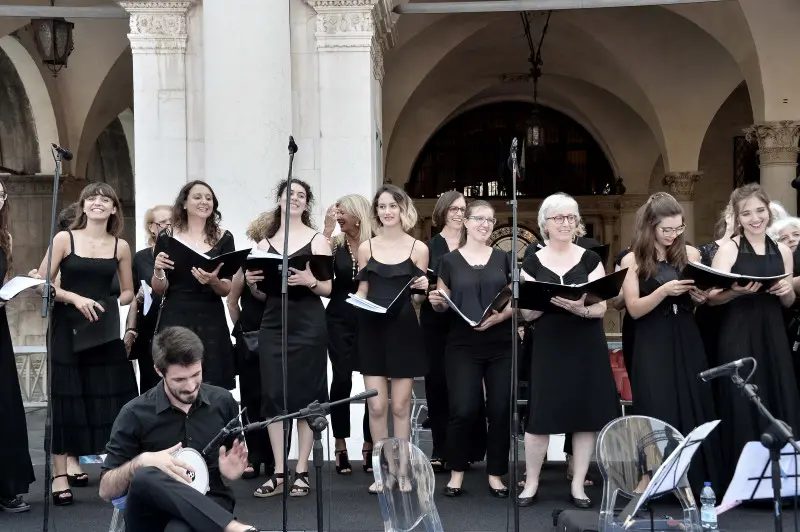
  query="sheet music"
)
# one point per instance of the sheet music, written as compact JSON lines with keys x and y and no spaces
{"x":365,"y":304}
{"x":17,"y":285}
{"x":148,"y":297}
{"x":753,"y":476}
{"x":190,"y":247}
{"x":674,"y":467}
{"x":454,"y":307}
{"x":730,"y":275}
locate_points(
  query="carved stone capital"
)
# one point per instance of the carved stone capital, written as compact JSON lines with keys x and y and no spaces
{"x":681,"y":184}
{"x":157,"y":27}
{"x":777,"y":141}
{"x":355,"y":25}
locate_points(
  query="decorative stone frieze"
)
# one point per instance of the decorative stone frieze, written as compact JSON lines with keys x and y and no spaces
{"x":157,"y":27}
{"x":355,"y":25}
{"x":777,"y":142}
{"x":681,"y":184}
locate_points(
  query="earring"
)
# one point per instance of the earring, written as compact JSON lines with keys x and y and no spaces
{"x":358,"y":224}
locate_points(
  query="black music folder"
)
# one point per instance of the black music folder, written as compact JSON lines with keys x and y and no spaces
{"x":392,"y":310}
{"x":705,"y":277}
{"x":499,"y":302}
{"x":186,"y":258}
{"x":536,"y":295}
{"x":271,"y":265}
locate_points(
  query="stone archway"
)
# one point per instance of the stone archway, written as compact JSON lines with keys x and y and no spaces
{"x":19,"y":144}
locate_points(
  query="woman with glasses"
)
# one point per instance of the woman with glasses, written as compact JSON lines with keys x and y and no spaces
{"x":571,"y":387}
{"x":668,"y":349}
{"x":140,"y":327}
{"x":472,"y":276}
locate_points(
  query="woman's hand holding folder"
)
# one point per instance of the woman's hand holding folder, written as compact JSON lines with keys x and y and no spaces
{"x":204,"y":277}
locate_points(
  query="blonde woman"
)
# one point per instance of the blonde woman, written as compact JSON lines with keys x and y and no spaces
{"x":352,"y":214}
{"x":391,"y":346}
{"x":139,"y":328}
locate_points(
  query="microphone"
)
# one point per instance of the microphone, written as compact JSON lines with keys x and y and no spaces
{"x":723,"y":370}
{"x":292,"y":145}
{"x":65,"y":154}
{"x":222,"y":434}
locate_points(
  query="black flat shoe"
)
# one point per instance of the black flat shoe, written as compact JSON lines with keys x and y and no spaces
{"x":583,"y":504}
{"x":499,"y":493}
{"x":528,"y":501}
{"x":14,"y":506}
{"x":452,"y":492}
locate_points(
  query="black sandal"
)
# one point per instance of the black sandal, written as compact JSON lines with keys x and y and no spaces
{"x":366,"y":454}
{"x":300,"y":491}
{"x":264,"y":491}
{"x":63,"y":497}
{"x":343,"y":466}
{"x":437,"y":464}
{"x":81,"y":480}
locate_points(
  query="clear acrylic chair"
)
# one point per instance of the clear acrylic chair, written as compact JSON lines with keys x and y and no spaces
{"x":629,"y":452}
{"x":418,"y":406}
{"x":406,"y":484}
{"x":117,"y":518}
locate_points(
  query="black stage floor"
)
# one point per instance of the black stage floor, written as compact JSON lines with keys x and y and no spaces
{"x":347,"y":504}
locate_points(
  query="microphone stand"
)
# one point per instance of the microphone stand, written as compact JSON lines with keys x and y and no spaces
{"x":514,"y":336}
{"x":48,"y":299}
{"x":285,"y":331}
{"x":775,"y":438}
{"x":316,"y":416}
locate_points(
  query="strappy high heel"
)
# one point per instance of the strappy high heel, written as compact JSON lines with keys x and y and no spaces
{"x":63,"y":497}
{"x":366,"y":454}
{"x":343,"y":466}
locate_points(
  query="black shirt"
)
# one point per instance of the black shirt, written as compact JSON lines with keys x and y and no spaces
{"x":150,"y":423}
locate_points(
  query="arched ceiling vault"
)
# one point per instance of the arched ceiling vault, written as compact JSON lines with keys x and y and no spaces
{"x":671,"y":67}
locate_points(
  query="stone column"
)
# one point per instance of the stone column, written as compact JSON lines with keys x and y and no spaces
{"x":777,"y":150}
{"x":248,"y":105}
{"x":158,"y":42}
{"x":681,"y":186}
{"x":351,"y":38}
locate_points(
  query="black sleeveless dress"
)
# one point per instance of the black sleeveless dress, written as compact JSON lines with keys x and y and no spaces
{"x":753,"y":326}
{"x":307,"y":353}
{"x":572,"y":387}
{"x":390,"y":346}
{"x":89,"y":388}
{"x":709,"y":317}
{"x":16,"y":473}
{"x":190,"y":304}
{"x":141,"y":351}
{"x":667,"y":356}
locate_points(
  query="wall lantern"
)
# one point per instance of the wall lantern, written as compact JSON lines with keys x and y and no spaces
{"x":53,"y":38}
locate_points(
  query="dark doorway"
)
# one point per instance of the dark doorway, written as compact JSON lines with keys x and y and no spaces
{"x":470,"y":153}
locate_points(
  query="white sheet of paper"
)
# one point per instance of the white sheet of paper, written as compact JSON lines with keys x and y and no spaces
{"x":365,"y":304}
{"x":676,"y":464}
{"x":748,"y":474}
{"x":148,"y":297}
{"x":16,"y":285}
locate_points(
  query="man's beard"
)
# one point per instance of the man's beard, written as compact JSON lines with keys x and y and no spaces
{"x":183,"y":397}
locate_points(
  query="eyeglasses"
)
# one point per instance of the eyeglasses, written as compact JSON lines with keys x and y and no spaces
{"x":786,"y":238}
{"x":455,"y":210}
{"x":480,"y":220}
{"x":163,"y":225}
{"x":570,"y":219}
{"x":672,"y":230}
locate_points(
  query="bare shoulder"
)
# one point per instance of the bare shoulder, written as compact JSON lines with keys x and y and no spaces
{"x":692,"y":253}
{"x":320,"y":245}
{"x":786,"y":253}
{"x":420,"y":251}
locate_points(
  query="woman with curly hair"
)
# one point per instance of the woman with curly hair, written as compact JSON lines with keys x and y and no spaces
{"x":308,"y":334}
{"x":195,"y":301}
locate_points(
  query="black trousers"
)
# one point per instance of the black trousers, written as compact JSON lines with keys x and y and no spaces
{"x":436,"y":387}
{"x":342,"y":353}
{"x":156,"y":502}
{"x":259,"y":449}
{"x":468,"y":370}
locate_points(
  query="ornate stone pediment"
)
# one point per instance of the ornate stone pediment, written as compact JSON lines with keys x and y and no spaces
{"x":157,"y":27}
{"x":681,"y":184}
{"x":777,"y":141}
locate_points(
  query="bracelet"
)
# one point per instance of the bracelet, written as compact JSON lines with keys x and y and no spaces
{"x":313,"y":286}
{"x":586,"y":314}
{"x":163,"y":276}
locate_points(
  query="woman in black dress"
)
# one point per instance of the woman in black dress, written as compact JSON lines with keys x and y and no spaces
{"x":668,"y":349}
{"x":448,"y":215}
{"x":140,"y":327}
{"x":91,"y":377}
{"x":193,"y":299}
{"x":351,"y":213}
{"x":753,"y":327}
{"x":391,"y":346}
{"x":308,"y":336}
{"x":477,"y":356}
{"x":16,"y":471}
{"x":572,"y":387}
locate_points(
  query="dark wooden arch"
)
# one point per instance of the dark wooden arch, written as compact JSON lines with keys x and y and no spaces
{"x":471,"y":151}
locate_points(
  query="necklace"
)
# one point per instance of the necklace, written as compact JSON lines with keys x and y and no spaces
{"x":352,"y":258}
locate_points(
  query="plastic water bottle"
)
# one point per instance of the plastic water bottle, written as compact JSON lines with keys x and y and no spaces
{"x":708,"y":512}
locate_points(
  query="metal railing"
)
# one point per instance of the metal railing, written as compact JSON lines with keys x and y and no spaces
{"x":32,"y":373}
